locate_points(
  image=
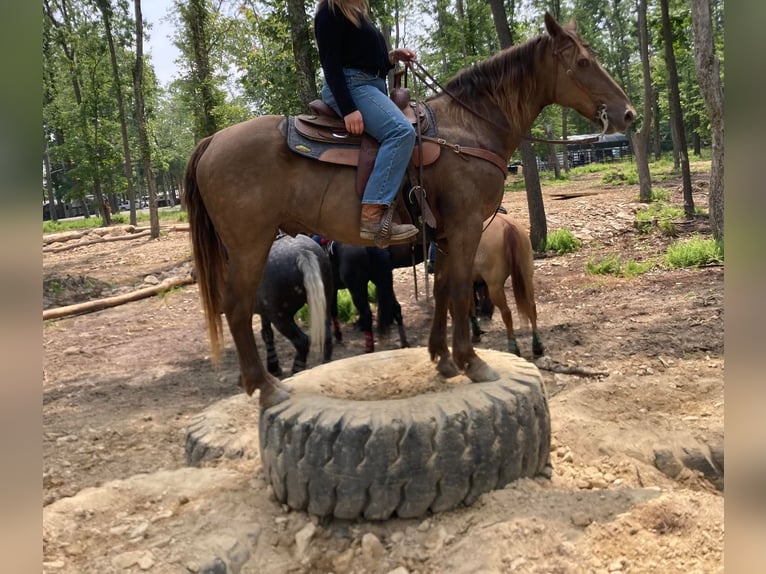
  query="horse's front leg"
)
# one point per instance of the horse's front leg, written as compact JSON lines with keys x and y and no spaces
{"x":437,"y":340}
{"x":238,"y":305}
{"x":461,"y":299}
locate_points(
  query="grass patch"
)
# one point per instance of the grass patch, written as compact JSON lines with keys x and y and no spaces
{"x":661,"y":215}
{"x":347,"y":312}
{"x":625,"y":174}
{"x":166,"y":214}
{"x":615,"y":266}
{"x":72,"y":225}
{"x":562,"y":241}
{"x":694,"y":252}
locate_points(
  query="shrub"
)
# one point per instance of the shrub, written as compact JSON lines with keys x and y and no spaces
{"x":694,"y":252}
{"x":614,"y":265}
{"x":562,"y":241}
{"x":659,"y":214}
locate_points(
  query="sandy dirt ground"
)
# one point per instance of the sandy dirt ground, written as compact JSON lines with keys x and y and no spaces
{"x":637,"y":451}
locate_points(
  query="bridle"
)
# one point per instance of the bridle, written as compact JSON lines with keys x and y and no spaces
{"x":419,"y":72}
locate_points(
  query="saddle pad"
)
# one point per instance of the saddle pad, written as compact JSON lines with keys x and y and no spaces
{"x":346,"y":154}
{"x":306,"y":139}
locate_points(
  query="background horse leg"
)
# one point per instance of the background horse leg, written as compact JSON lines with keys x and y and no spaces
{"x":400,"y":324}
{"x":244,"y":274}
{"x":358,"y":293}
{"x":497,"y":296}
{"x":289,"y":328}
{"x":272,"y":360}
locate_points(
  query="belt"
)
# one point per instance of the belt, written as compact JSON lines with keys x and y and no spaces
{"x":375,"y":72}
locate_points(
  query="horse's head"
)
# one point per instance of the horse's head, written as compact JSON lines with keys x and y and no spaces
{"x":581,"y":83}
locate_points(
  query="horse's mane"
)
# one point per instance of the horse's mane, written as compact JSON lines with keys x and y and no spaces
{"x":507,"y":78}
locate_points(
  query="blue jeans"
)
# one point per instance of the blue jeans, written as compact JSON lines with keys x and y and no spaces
{"x":387,"y":124}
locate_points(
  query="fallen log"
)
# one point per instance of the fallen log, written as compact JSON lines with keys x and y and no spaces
{"x":547,"y":364}
{"x":99,"y":240}
{"x":99,"y":304}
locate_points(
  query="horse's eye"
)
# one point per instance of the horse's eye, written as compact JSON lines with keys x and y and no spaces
{"x":583,"y":62}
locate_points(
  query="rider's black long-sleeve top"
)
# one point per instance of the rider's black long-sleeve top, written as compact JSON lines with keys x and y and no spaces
{"x":343,"y":45}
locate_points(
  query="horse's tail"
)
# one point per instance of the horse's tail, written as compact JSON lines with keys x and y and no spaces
{"x":208,"y":250}
{"x":311,"y":269}
{"x":518,"y":252}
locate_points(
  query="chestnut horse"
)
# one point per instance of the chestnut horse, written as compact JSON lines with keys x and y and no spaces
{"x":506,"y":251}
{"x":243,"y":183}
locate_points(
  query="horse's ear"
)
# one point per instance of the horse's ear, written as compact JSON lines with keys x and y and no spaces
{"x":553,"y":27}
{"x":572,"y":25}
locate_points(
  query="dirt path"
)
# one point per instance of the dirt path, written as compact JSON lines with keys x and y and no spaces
{"x":122,"y":385}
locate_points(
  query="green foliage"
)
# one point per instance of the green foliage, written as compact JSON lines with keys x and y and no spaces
{"x":626,"y":174}
{"x":661,"y":215}
{"x":562,"y":241}
{"x":71,"y":225}
{"x":614,"y":265}
{"x":694,"y":252}
{"x":346,"y":310}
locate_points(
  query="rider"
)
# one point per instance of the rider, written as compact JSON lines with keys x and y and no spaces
{"x":355,"y":61}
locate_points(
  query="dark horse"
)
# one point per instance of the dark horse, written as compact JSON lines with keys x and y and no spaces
{"x":353,"y":268}
{"x":505,"y":251}
{"x":243,"y":183}
{"x":297,"y":272}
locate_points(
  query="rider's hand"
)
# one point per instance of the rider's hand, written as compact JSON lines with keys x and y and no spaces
{"x":354,"y":122}
{"x":402,"y":55}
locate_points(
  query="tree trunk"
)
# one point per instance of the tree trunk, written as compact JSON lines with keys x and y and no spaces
{"x":553,"y":158}
{"x":641,"y":138}
{"x":676,"y":114}
{"x":196,"y":16}
{"x":565,"y":135}
{"x":709,"y":77}
{"x":656,"y":124}
{"x":49,"y":180}
{"x":106,"y":11}
{"x":143,"y":136}
{"x":538,"y":226}
{"x":301,"y":37}
{"x":500,"y":18}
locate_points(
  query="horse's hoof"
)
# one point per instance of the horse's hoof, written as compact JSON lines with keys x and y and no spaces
{"x":538,"y":349}
{"x":476,"y":339}
{"x":480,"y":372}
{"x":447,"y":367}
{"x":273,"y":392}
{"x":513,"y":347}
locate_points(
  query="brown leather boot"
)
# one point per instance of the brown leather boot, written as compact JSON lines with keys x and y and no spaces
{"x":383,"y":233}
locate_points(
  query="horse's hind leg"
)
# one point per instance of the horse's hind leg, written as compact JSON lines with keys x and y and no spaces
{"x":289,"y":328}
{"x":538,"y":349}
{"x":244,"y":274}
{"x":497,"y":296}
{"x":272,"y":360}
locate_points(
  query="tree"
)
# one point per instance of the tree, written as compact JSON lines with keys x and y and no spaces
{"x":709,"y":75}
{"x":538,"y":224}
{"x":143,"y":135}
{"x":207,"y":97}
{"x":304,"y":62}
{"x":106,"y":13}
{"x":640,"y":139}
{"x":676,"y":114}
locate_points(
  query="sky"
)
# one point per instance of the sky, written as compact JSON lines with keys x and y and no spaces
{"x":160,"y":45}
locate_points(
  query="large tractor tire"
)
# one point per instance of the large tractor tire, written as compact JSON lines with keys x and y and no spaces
{"x":432,"y":452}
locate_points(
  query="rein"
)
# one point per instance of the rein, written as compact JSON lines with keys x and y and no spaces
{"x":601,"y":114}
